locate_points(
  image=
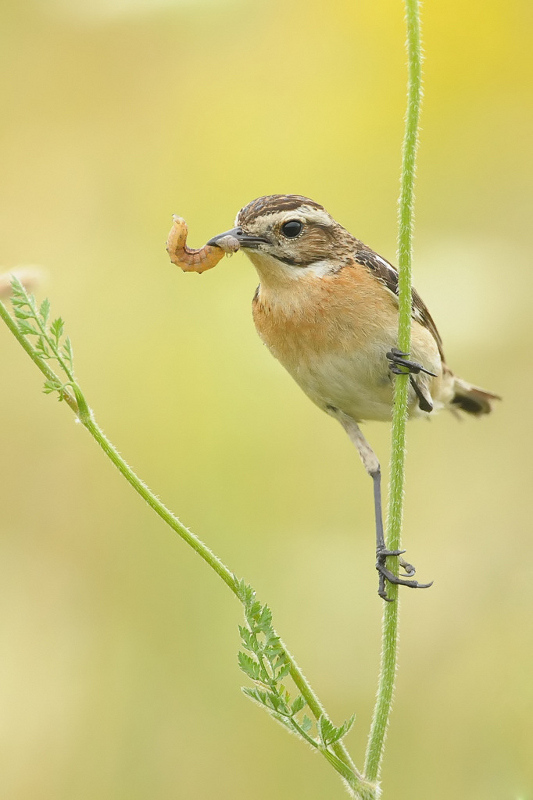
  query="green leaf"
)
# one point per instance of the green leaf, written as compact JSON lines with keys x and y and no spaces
{"x":279,"y":660}
{"x":27,"y":329}
{"x":52,"y":385}
{"x":44,"y":311}
{"x":329,"y":733}
{"x":18,"y":290}
{"x":248,"y":639}
{"x":254,"y":610}
{"x":283,"y":672}
{"x":272,"y":640}
{"x":19,"y":314}
{"x":258,"y":695}
{"x":326,"y":730}
{"x":306,"y":724}
{"x":264,"y":623}
{"x":42,"y":348}
{"x":18,"y":302}
{"x":270,"y":700}
{"x":56,"y":329}
{"x":278,"y":703}
{"x":298,"y":704}
{"x":246,"y":593}
{"x":275,"y":655}
{"x":249,"y":666}
{"x":345,"y":727}
{"x":68,"y":353}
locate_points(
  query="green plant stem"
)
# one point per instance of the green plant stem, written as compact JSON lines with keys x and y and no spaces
{"x":341,"y":759}
{"x":166,"y":515}
{"x":389,"y":652}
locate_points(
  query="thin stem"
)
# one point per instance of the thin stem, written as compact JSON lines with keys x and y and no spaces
{"x":172,"y":521}
{"x":389,"y":652}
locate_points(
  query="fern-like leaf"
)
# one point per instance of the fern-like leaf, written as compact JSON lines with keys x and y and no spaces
{"x":56,"y":330}
{"x":44,"y":311}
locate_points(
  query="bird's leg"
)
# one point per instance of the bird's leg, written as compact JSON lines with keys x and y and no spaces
{"x":398,"y":359}
{"x":372,"y":466}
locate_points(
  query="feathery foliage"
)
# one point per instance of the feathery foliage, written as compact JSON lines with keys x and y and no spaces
{"x":266,"y":663}
{"x":49,"y":343}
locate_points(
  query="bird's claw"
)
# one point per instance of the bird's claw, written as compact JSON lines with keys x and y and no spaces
{"x":385,"y":574}
{"x":410,"y":569}
{"x":399,"y":360}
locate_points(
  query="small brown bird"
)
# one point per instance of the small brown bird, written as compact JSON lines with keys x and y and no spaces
{"x":327,"y":308}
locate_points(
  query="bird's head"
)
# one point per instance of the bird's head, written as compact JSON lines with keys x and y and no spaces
{"x":288,"y":236}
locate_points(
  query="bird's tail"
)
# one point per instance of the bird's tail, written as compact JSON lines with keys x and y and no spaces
{"x":472,"y":399}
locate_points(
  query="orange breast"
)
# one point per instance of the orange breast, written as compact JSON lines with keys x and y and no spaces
{"x":314,"y":315}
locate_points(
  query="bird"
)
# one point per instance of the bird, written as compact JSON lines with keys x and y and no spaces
{"x":326,"y":307}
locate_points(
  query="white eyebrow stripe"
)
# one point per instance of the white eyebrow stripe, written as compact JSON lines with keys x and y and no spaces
{"x":303,"y":213}
{"x":316,"y":215}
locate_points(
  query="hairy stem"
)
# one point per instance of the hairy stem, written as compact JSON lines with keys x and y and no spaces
{"x":389,"y":652}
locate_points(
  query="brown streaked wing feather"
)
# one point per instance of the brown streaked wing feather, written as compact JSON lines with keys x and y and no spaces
{"x":388,"y":275}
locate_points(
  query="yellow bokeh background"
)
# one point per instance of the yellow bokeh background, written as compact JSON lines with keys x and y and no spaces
{"x":118,"y":673}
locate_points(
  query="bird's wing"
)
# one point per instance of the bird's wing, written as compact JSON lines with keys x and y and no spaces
{"x":388,"y":275}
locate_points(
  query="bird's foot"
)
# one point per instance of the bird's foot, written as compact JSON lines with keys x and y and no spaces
{"x":386,"y":575}
{"x":399,"y":363}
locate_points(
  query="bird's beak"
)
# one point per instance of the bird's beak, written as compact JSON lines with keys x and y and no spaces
{"x":245,"y":239}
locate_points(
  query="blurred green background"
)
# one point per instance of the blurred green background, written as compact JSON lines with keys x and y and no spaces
{"x":118,"y":672}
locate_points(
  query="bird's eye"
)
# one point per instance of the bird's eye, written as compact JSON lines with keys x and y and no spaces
{"x":292,"y":229}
